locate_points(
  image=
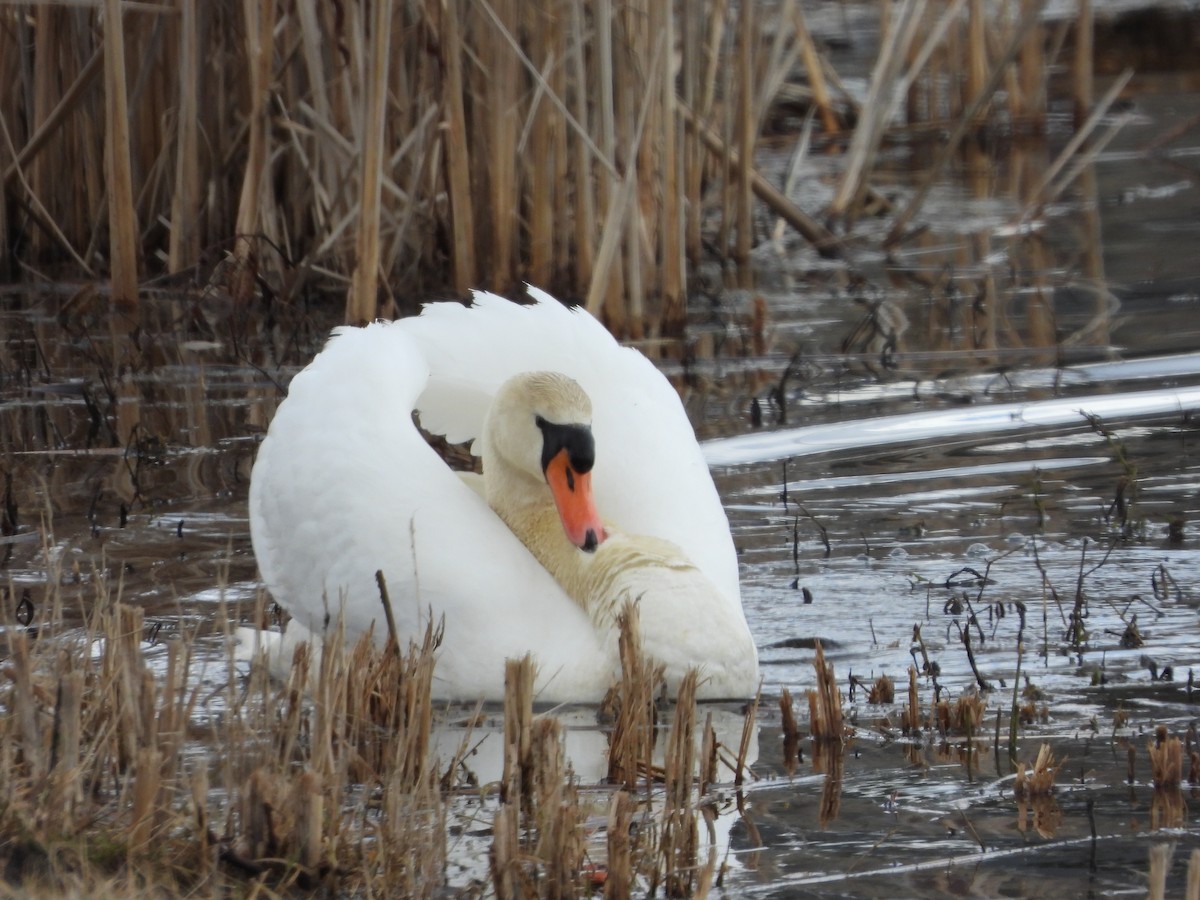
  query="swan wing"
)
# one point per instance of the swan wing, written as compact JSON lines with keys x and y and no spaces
{"x":344,"y":485}
{"x":650,"y":477}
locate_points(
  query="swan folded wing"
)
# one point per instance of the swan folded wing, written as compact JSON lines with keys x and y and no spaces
{"x":650,"y":476}
{"x":320,"y":536}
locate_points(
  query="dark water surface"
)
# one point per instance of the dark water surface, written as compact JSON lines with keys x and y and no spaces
{"x":936,"y":449}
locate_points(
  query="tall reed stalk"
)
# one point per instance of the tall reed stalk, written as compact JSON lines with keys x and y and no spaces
{"x":122,"y":218}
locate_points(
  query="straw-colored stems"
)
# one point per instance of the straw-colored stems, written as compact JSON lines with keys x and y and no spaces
{"x":749,"y":728}
{"x":1036,"y":781}
{"x":632,"y":743}
{"x":1166,"y":759}
{"x":146,"y":786}
{"x":500,"y":108}
{"x":184,"y":247}
{"x":825,"y":702}
{"x":746,"y":130}
{"x":122,"y":219}
{"x":606,"y":287}
{"x":25,"y":703}
{"x":671,"y":262}
{"x":619,"y":881}
{"x":506,"y":852}
{"x":694,"y":155}
{"x":308,"y":812}
{"x":679,"y":839}
{"x":45,"y":78}
{"x":1032,"y":65}
{"x":976,"y":53}
{"x":582,"y":162}
{"x":68,"y":722}
{"x":542,"y":147}
{"x":516,"y":785}
{"x":603,"y":291}
{"x":1081,"y":70}
{"x":360,"y":302}
{"x":457,"y":151}
{"x":260,"y":20}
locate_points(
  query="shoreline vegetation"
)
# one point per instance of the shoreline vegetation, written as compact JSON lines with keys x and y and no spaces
{"x":601,"y":151}
{"x":245,"y":154}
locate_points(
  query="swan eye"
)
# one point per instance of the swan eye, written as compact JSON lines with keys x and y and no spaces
{"x":576,"y":439}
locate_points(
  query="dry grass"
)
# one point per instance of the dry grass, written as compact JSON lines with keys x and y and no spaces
{"x":130,"y":766}
{"x":451,"y":145}
{"x":826,"y":721}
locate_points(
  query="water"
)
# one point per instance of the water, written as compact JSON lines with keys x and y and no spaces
{"x":994,"y":467}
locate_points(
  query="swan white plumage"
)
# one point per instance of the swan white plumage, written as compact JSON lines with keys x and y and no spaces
{"x":345,"y":485}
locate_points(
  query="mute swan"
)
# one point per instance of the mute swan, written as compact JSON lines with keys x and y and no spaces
{"x":344,"y":485}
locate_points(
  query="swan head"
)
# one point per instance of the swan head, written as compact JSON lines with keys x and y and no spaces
{"x":540,"y":426}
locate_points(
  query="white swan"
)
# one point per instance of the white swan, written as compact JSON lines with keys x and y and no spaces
{"x":345,"y":484}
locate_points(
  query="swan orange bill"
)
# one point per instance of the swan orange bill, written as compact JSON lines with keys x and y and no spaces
{"x":572,"y":492}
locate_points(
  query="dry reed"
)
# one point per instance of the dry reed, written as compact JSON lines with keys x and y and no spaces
{"x":631,"y":747}
{"x":455,"y":144}
{"x":1166,"y":759}
{"x":825,"y":703}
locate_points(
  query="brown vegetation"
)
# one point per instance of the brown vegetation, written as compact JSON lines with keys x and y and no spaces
{"x":594,"y":149}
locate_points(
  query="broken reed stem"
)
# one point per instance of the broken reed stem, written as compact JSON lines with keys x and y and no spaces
{"x":825,"y":702}
{"x":361,"y":300}
{"x":631,"y":748}
{"x":1166,"y":759}
{"x":516,"y":784}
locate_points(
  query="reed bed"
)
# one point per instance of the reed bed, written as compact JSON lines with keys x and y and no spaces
{"x":600,"y":150}
{"x":134,"y":765}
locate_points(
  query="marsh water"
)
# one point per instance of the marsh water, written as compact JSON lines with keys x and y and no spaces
{"x":944,"y":443}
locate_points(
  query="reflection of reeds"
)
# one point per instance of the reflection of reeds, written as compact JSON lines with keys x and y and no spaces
{"x":791,"y":732}
{"x":910,"y":716}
